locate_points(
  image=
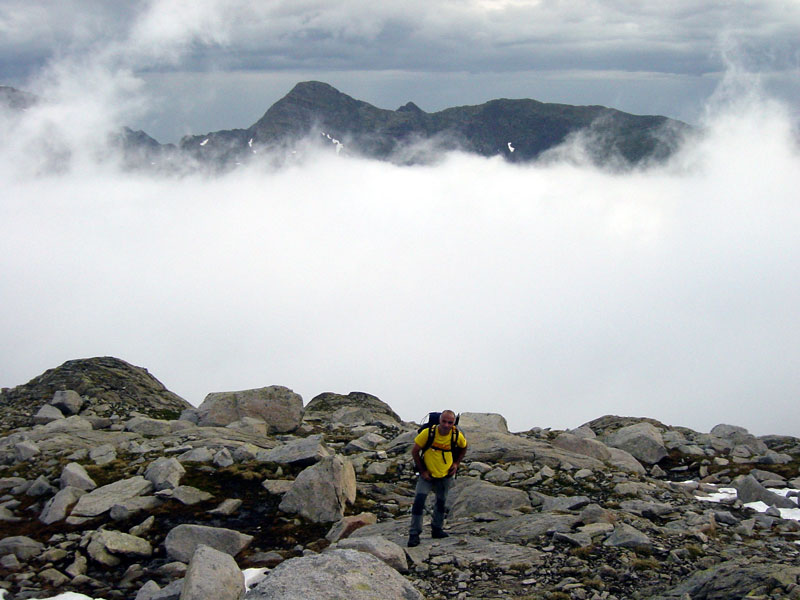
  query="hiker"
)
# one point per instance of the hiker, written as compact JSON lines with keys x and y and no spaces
{"x":437,"y":461}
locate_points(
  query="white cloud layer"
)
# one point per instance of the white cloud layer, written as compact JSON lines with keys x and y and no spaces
{"x":551,"y":294}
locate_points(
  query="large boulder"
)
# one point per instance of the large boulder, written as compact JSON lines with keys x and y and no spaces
{"x":320,"y":492}
{"x":748,"y":489}
{"x":356,"y":408}
{"x":148,"y":426}
{"x":165,"y":473}
{"x":477,"y":496}
{"x":21,"y":546}
{"x":739,"y":436}
{"x":279,"y":407}
{"x":299,"y":452}
{"x":334,"y":575}
{"x":389,"y":552}
{"x":106,"y":546}
{"x":493,"y":446}
{"x":642,"y":440}
{"x":71,"y":424}
{"x":182,"y":541}
{"x":69,"y":402}
{"x":212,"y":574}
{"x":57,"y":508}
{"x":583,"y":445}
{"x":471,"y":421}
{"x":46,"y":414}
{"x":75,"y":475}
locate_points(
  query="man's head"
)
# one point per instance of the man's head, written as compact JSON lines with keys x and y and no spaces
{"x":446,"y":421}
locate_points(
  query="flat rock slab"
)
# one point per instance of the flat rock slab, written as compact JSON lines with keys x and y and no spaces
{"x":461,"y":548}
{"x":333,"y":575}
{"x":103,"y":498}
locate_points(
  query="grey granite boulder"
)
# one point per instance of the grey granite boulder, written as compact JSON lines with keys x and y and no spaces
{"x":365,"y":443}
{"x":249,"y":425}
{"x":47,"y":413}
{"x":626,"y":536}
{"x":739,"y":436}
{"x":583,"y":445}
{"x":165,"y":473}
{"x":103,"y":498}
{"x":279,"y":407}
{"x":749,"y":489}
{"x":625,"y":461}
{"x":212,"y":574}
{"x":642,"y":440}
{"x":57,"y":508}
{"x":148,"y":426}
{"x":298,"y":452}
{"x":360,"y":409}
{"x":530,"y":527}
{"x":69,"y":425}
{"x":379,"y":547}
{"x":472,"y":421}
{"x":182,"y":541}
{"x":320,"y":492}
{"x":106,"y":546}
{"x":75,"y":475}
{"x":476,"y":496}
{"x":334,"y":575}
{"x":21,"y":546}
{"x":25,"y":450}
{"x":69,"y":402}
{"x":104,"y":454}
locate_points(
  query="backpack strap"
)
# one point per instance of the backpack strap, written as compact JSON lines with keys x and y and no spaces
{"x":431,"y":437}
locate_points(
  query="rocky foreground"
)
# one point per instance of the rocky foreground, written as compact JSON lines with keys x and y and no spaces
{"x":114,"y":487}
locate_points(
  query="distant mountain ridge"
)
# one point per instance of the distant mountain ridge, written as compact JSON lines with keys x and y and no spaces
{"x":519,"y":130}
{"x":317,"y":113}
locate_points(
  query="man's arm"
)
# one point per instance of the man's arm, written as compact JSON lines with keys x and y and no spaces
{"x":423,"y":472}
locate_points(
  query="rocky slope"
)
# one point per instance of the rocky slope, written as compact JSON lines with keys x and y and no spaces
{"x":109,"y":387}
{"x":318,"y":497}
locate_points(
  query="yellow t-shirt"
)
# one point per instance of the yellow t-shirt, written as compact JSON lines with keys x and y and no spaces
{"x":437,"y":462}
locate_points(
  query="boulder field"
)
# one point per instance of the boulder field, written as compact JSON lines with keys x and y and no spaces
{"x":114,"y":487}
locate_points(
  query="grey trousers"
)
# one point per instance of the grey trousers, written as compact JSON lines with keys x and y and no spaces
{"x":440,"y":487}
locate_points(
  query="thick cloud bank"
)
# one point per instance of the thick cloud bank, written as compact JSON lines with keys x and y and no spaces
{"x":552,"y":294}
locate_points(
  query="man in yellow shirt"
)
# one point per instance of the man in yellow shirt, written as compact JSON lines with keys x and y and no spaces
{"x":437,"y":462}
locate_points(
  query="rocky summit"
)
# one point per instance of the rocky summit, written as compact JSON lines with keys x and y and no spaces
{"x":114,"y":487}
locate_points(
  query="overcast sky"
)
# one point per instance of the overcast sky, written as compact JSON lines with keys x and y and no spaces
{"x":552,"y":293}
{"x":208,"y":64}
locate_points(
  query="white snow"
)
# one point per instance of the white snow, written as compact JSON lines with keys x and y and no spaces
{"x":510,"y":147}
{"x":204,"y":142}
{"x":250,"y":143}
{"x":253,"y":576}
{"x":723,"y":494}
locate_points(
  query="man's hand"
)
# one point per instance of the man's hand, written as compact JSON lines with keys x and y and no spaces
{"x":425,"y":475}
{"x":453,"y":469}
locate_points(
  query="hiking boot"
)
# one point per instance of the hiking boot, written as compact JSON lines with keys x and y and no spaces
{"x":413,"y":540}
{"x":439,"y":533}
